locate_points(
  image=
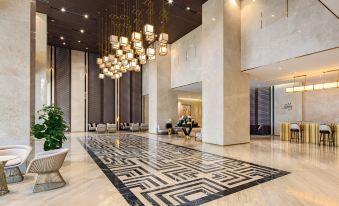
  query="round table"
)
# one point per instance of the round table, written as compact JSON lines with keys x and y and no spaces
{"x":3,"y":182}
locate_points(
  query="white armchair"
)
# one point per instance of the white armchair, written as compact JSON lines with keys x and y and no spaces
{"x":12,"y":170}
{"x":47,"y":165}
{"x":111,"y":128}
{"x":135,"y":127}
{"x":101,"y":128}
{"x":92,"y":127}
{"x":143,"y":126}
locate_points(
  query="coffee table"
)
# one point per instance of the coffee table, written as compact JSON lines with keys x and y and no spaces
{"x":3,"y":182}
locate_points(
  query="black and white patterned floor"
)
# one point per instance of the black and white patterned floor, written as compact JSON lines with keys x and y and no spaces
{"x":150,"y":172}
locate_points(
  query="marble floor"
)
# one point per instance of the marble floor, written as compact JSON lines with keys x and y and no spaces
{"x":313,"y":177}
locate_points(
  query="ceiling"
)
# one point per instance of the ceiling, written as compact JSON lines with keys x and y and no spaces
{"x":312,"y":65}
{"x":192,"y":88}
{"x":68,"y":24}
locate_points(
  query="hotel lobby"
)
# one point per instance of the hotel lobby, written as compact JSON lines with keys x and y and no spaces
{"x":169,"y":102}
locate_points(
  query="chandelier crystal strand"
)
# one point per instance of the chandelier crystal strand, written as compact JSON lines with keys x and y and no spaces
{"x":122,"y":39}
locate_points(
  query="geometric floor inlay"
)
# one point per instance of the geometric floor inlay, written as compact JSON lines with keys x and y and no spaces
{"x":150,"y":172}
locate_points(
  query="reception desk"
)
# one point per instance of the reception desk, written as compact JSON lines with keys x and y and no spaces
{"x":311,"y":132}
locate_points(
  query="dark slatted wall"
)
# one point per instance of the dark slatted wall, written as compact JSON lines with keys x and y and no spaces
{"x":125,"y":98}
{"x":264,"y":106}
{"x":108,"y":101}
{"x":136,"y":97}
{"x":253,"y":107}
{"x":62,"y":93}
{"x":260,"y":111}
{"x":94,"y":91}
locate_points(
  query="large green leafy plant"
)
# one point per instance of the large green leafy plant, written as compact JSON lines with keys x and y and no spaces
{"x":52,"y":127}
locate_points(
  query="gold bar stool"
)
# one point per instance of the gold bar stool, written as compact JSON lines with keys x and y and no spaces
{"x":326,"y":133}
{"x":296,"y":133}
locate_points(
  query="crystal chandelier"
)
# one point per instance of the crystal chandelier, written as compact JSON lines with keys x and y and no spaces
{"x":120,"y":48}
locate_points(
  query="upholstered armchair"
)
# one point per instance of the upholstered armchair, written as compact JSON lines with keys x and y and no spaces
{"x":101,"y":128}
{"x":134,"y":127}
{"x":47,"y":165}
{"x":12,"y":171}
{"x":143,"y":126}
{"x":91,"y":127}
{"x":111,"y":128}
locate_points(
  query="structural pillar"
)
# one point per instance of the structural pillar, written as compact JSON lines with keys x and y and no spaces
{"x":163,"y":102}
{"x":225,"y":89}
{"x":17,"y":63}
{"x":41,"y":67}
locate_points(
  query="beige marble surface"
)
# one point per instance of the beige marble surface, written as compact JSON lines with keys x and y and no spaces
{"x":186,"y":58}
{"x":162,"y":100}
{"x":16,"y":75}
{"x":78,"y":73}
{"x":225,"y":90}
{"x":308,"y":28}
{"x":41,"y":67}
{"x":314,"y":178}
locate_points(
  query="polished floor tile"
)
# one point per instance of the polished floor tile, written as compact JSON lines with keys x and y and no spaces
{"x":313,"y":178}
{"x":151,"y":172}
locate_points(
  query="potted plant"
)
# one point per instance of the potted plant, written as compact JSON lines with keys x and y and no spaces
{"x":52,"y":127}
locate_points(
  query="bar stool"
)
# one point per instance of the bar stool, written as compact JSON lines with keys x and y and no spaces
{"x":326,"y":132}
{"x":296,"y":133}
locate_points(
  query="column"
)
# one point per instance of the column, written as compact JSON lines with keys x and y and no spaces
{"x":17,"y":60}
{"x":41,"y":67}
{"x":225,"y":89}
{"x":163,"y":102}
{"x":78,"y":72}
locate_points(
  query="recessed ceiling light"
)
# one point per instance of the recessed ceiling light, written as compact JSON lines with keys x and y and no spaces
{"x":82,"y":31}
{"x":52,"y":20}
{"x":62,"y":38}
{"x":86,"y":48}
{"x":86,"y":16}
{"x":170,"y":1}
{"x":188,"y":8}
{"x":63,"y":43}
{"x":79,"y":41}
{"x":273,"y":15}
{"x":63,"y":9}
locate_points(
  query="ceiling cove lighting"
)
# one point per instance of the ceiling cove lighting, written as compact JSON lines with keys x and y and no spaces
{"x":131,"y":43}
{"x":314,"y":87}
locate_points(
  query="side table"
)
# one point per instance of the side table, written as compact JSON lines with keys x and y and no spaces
{"x":3,"y":182}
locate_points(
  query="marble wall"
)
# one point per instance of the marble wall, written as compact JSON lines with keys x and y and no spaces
{"x":287,"y":106}
{"x":272,"y":31}
{"x":225,"y":89}
{"x":186,"y":57}
{"x":321,"y":106}
{"x":162,"y":101}
{"x":78,"y":72}
{"x":17,"y":60}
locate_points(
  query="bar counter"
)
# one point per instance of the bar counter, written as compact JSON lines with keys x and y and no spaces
{"x":311,"y":131}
